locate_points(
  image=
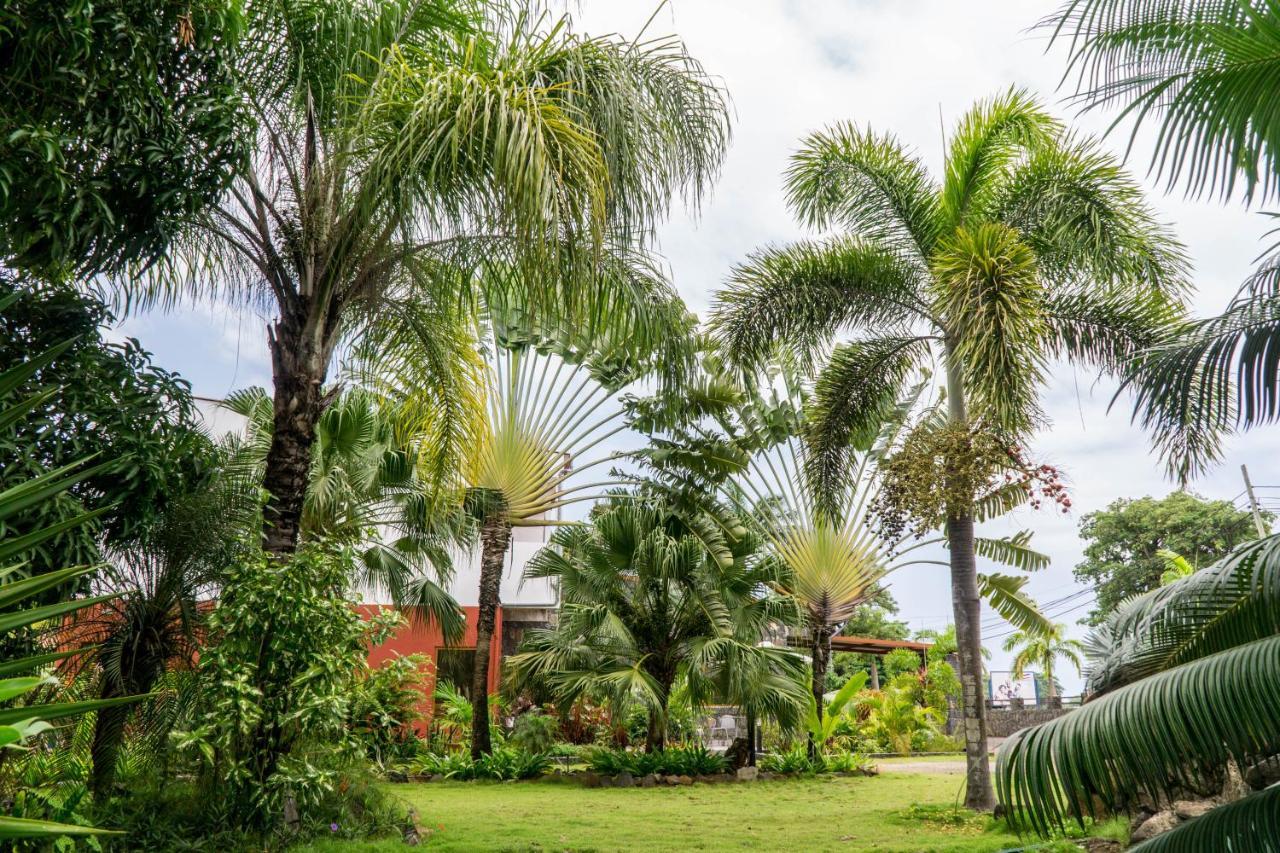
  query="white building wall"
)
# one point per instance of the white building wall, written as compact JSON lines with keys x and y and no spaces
{"x":465,"y":588}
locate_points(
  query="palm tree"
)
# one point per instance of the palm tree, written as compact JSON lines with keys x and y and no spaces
{"x":646,"y":605}
{"x":1035,"y":246}
{"x":1209,"y":643}
{"x":366,"y":489}
{"x":1043,"y":649}
{"x":1206,"y":73}
{"x":815,"y":520}
{"x":406,"y":146}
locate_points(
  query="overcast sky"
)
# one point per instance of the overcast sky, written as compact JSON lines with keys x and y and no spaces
{"x":907,"y":66}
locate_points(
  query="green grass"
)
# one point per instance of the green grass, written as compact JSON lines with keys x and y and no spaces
{"x":891,"y":812}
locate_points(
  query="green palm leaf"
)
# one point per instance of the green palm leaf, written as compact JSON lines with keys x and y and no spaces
{"x":1152,"y":737}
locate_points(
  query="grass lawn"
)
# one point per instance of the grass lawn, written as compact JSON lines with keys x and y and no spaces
{"x":894,"y":811}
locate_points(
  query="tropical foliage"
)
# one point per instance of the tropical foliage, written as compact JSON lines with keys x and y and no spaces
{"x":1123,"y":543}
{"x":647,"y":605}
{"x":1043,"y":650}
{"x":1202,"y":73}
{"x":1034,"y":245}
{"x":1208,"y":643}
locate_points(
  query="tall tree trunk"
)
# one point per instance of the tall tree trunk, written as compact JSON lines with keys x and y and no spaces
{"x":495,"y":536}
{"x":300,"y":350}
{"x":875,"y":674}
{"x":1049,"y":689}
{"x":108,"y":732}
{"x":821,"y":649}
{"x":966,"y":607}
{"x":751,"y":739}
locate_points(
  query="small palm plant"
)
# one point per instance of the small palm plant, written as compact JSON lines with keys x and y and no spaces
{"x":1043,"y":649}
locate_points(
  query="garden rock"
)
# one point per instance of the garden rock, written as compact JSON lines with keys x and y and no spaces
{"x":292,"y":820}
{"x":410,"y":833}
{"x":606,"y":781}
{"x":1264,"y":773}
{"x":438,"y":777}
{"x":684,"y":780}
{"x":624,"y":780}
{"x":398,"y":776}
{"x":648,"y":781}
{"x":1189,"y":809}
{"x":591,"y":780}
{"x":748,"y":774}
{"x":1155,"y":825}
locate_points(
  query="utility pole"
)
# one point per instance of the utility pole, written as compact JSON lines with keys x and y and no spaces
{"x":1253,"y":502}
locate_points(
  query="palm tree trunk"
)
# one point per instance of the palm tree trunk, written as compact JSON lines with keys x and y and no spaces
{"x":821,"y":656}
{"x":495,"y":537}
{"x":967,"y":610}
{"x":300,"y":347}
{"x":108,"y":732}
{"x":655,"y":737}
{"x":1049,"y":689}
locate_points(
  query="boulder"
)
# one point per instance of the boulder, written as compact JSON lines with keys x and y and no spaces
{"x":1155,"y":825}
{"x":624,"y":780}
{"x":684,"y":780}
{"x":648,"y":780}
{"x":439,"y":777}
{"x":1189,"y":809}
{"x":590,"y":780}
{"x":748,"y":774}
{"x":1263,"y":774}
{"x":398,"y":776}
{"x":606,"y":781}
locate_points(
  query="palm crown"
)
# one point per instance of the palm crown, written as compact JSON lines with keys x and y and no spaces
{"x":1043,"y":649}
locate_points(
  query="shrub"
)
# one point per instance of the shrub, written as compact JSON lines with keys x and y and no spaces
{"x":386,"y":703}
{"x":795,"y":760}
{"x":534,"y":732}
{"x":276,"y":684}
{"x":677,"y":761}
{"x":502,"y":765}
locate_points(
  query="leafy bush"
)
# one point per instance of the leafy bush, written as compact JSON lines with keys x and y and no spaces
{"x":534,"y":732}
{"x":450,"y":765}
{"x":507,"y":764}
{"x":277,"y":683}
{"x":682,"y":761}
{"x":386,"y":703}
{"x":845,"y":762}
{"x":795,"y":760}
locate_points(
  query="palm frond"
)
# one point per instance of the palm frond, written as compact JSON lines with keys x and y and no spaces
{"x":795,"y":299}
{"x":1150,"y":738}
{"x":1004,"y":594}
{"x":1014,"y":550}
{"x":868,"y":184}
{"x":1204,"y":71}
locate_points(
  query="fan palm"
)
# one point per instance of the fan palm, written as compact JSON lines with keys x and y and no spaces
{"x":367,"y":488}
{"x":1043,"y":650}
{"x":1206,"y":73}
{"x":1183,"y":680}
{"x":646,"y":604}
{"x":1035,"y":246}
{"x":405,"y":146}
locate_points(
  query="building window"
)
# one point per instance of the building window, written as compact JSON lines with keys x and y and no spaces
{"x":456,"y":667}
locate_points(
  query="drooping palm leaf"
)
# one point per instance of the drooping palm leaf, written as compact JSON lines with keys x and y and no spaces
{"x":1152,"y":737}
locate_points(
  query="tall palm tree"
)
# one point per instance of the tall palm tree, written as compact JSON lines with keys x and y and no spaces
{"x":646,"y":605}
{"x":404,"y":146}
{"x":1043,"y":649}
{"x":1034,"y":246}
{"x":1207,"y":74}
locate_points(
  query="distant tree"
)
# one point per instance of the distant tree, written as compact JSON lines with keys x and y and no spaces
{"x":120,"y":122}
{"x":1044,"y":650}
{"x":106,"y":400}
{"x":1123,"y":559}
{"x":875,"y":620}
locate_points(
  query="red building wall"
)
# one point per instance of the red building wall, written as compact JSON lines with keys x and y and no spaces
{"x":418,"y":639}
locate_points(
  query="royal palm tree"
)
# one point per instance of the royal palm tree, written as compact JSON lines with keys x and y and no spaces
{"x":1034,"y":246}
{"x":646,"y":605}
{"x":1207,"y":74}
{"x":408,"y":146}
{"x":1043,"y":649}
